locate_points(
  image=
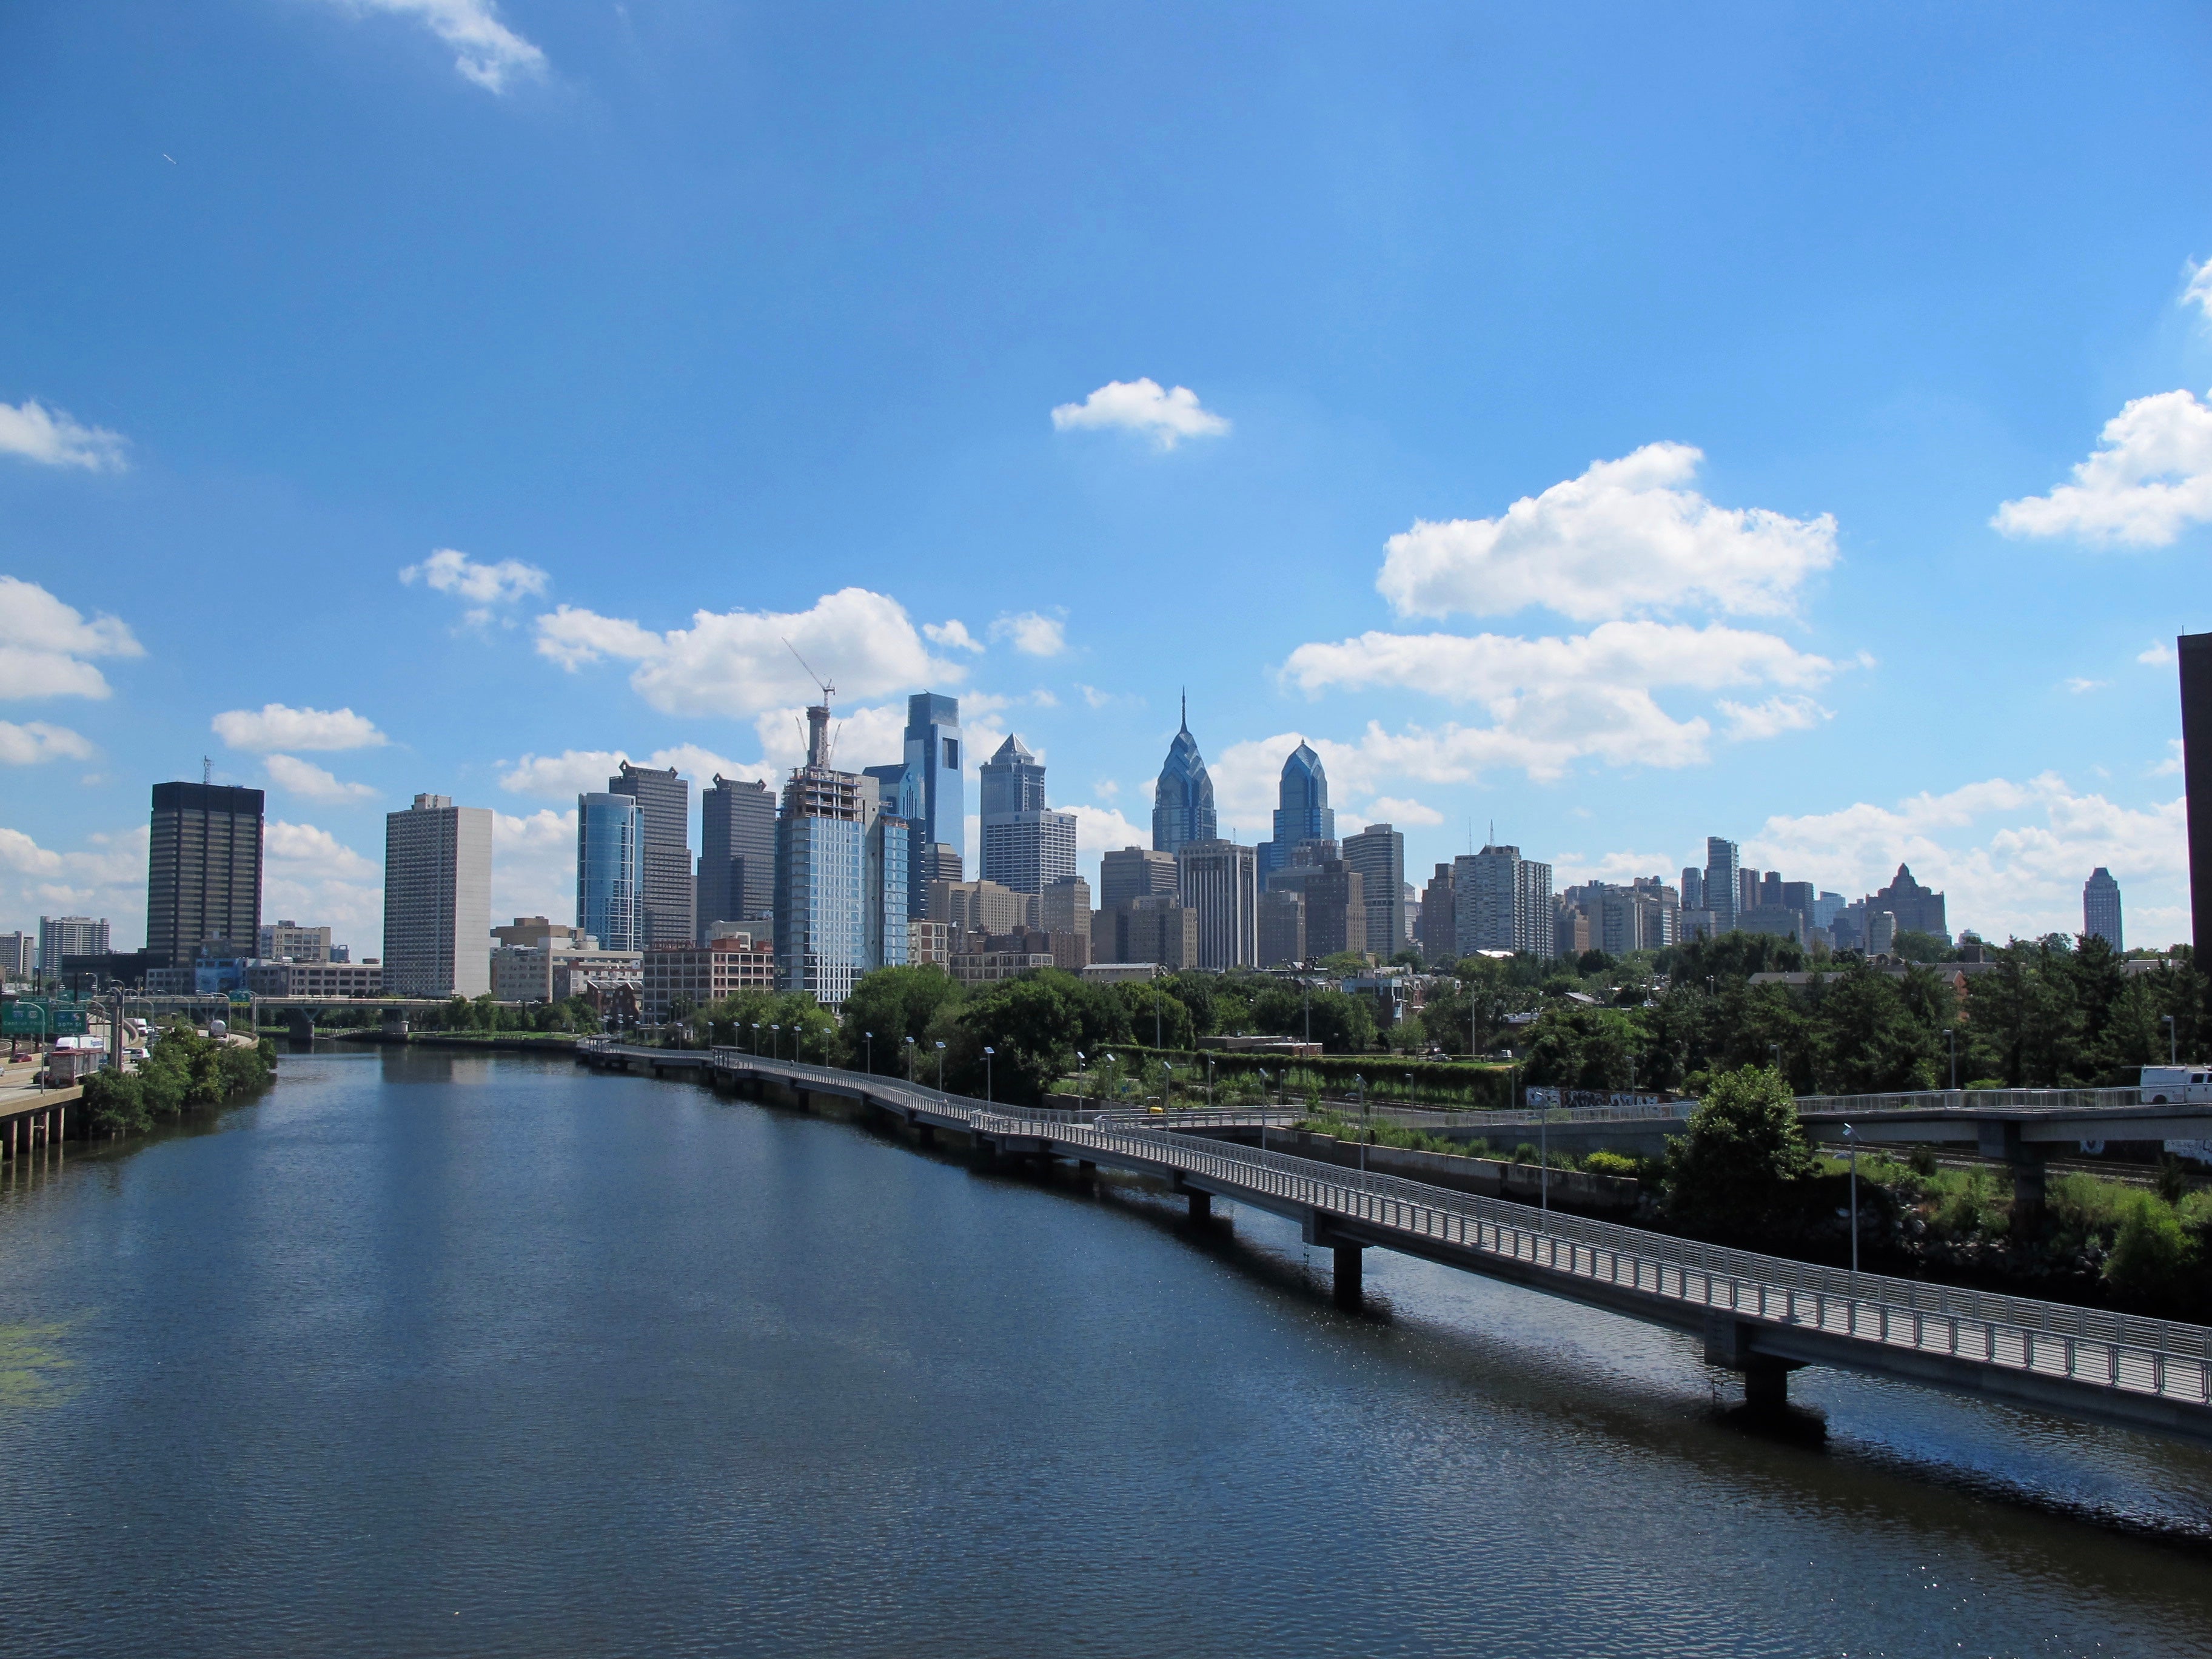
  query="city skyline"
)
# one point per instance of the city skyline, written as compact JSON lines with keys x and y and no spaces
{"x":1498,"y":544}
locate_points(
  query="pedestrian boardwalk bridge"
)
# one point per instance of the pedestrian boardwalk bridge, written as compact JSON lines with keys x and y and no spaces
{"x":1762,"y":1316}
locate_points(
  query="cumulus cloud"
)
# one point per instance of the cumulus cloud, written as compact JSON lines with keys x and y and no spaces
{"x":2170,"y":765}
{"x":1573,"y":869}
{"x":952,"y":634}
{"x":2198,"y":293}
{"x":486,"y":51}
{"x":274,"y":726}
{"x":533,"y":864}
{"x":1397,"y":812}
{"x":484,"y":586}
{"x":2077,"y":685}
{"x":2009,"y":857}
{"x":1749,"y":722}
{"x":736,"y":664}
{"x":312,"y":875}
{"x":106,"y":877}
{"x":2149,"y":480}
{"x":35,"y":741}
{"x":2157,"y":655}
{"x":858,"y":736}
{"x":584,"y":771}
{"x":1032,"y":634}
{"x":43,"y":644}
{"x":1140,"y":405}
{"x":1623,"y":538}
{"x":32,"y":432}
{"x":311,"y":782}
{"x":304,"y":848}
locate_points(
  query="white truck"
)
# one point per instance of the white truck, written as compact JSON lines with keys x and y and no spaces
{"x":2177,"y":1085}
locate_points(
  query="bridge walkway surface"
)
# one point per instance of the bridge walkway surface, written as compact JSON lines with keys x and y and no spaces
{"x":1761,"y":1315}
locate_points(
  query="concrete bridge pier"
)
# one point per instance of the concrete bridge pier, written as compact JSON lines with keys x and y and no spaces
{"x":1765,"y":1379}
{"x":300,"y":1024}
{"x":1350,"y":1274}
{"x":2025,"y":1159}
{"x":926,"y":1133}
{"x":1201,"y":1205}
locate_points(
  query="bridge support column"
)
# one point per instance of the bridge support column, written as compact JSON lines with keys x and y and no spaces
{"x":1765,"y":1379}
{"x":926,"y":1133}
{"x":1350,"y":1270}
{"x":2002,"y":1139}
{"x":1201,"y":1205}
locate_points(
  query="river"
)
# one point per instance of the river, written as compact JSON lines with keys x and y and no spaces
{"x":437,"y":1352}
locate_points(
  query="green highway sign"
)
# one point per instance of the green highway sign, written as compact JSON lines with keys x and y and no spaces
{"x":69,"y":1022}
{"x":23,"y":1020}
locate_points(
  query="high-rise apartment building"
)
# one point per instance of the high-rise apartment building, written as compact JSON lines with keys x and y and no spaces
{"x":1025,"y":844}
{"x":19,"y":955}
{"x":1438,"y":935}
{"x":1154,"y":927}
{"x":610,"y":871}
{"x":1502,"y":901}
{"x":1334,"y":897}
{"x":1377,"y":855}
{"x":1693,"y":888}
{"x":664,"y":806}
{"x":1134,"y":872}
{"x":821,"y":865}
{"x":203,"y":871}
{"x":1302,"y":810}
{"x":2100,"y":908}
{"x":1282,"y":928}
{"x":737,"y":854}
{"x":1220,"y":882}
{"x":437,"y":899}
{"x":288,"y":941}
{"x":1183,"y":800}
{"x":2195,"y":650}
{"x":1064,"y":906}
{"x":1723,"y":865}
{"x":887,"y":886}
{"x":69,"y":936}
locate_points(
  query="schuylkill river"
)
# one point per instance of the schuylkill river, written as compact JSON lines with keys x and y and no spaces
{"x":477,"y":1354}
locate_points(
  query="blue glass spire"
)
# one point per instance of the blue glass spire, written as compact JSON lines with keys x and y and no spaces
{"x":1182,"y":801}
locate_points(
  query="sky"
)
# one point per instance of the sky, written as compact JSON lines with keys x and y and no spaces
{"x":1593,"y":428}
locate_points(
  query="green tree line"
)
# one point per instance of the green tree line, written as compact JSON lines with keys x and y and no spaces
{"x":183,"y":1070}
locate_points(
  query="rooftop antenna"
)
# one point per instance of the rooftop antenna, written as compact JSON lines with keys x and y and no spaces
{"x":207,"y":770}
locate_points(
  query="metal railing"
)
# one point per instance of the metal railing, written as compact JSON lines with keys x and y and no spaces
{"x":2127,"y":1352}
{"x":1974,"y":1100}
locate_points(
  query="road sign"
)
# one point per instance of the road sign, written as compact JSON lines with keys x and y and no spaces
{"x":24,"y":1019}
{"x":69,"y":1022}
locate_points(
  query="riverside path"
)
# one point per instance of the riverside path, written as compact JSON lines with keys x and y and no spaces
{"x":1762,"y":1317}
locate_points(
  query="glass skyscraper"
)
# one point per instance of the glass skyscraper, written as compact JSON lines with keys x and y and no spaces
{"x":1026,"y":845}
{"x":934,"y":758}
{"x":1182,"y":801}
{"x":821,"y":875}
{"x":610,"y":871}
{"x":1302,"y":810}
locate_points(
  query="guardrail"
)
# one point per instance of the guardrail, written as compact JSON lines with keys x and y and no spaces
{"x":2161,"y":1359}
{"x":1975,"y":1100}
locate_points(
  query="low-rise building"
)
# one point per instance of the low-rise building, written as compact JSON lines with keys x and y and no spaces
{"x":316,"y":979}
{"x":988,"y":967}
{"x":533,"y":973}
{"x":700,"y":974}
{"x":287,"y":941}
{"x":1120,"y":973}
{"x":929,"y":943}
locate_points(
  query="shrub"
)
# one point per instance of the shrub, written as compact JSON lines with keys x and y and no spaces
{"x":2154,"y":1262}
{"x":1745,"y":1147}
{"x":1611,"y":1164}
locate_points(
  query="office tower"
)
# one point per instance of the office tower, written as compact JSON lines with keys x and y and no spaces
{"x":1135,"y":872}
{"x":1065,"y":906}
{"x":1152,"y":927}
{"x":1220,"y":882}
{"x":1025,"y":844}
{"x":1747,"y":891}
{"x":1502,"y":901}
{"x":1574,"y":928}
{"x":19,"y":955}
{"x":939,"y":863}
{"x":1336,"y":915}
{"x":934,"y":758}
{"x":1377,"y":855}
{"x":1438,"y":936}
{"x":983,"y":907}
{"x":664,"y":804}
{"x":889,"y":886}
{"x":1882,"y":932}
{"x":1693,"y":888}
{"x":1302,"y":811}
{"x":1722,"y":865}
{"x":2100,"y":908}
{"x":2195,"y":650}
{"x":437,"y":899}
{"x":898,"y":792}
{"x":1826,"y":907}
{"x":203,"y":871}
{"x":1282,"y":927}
{"x":821,"y":872}
{"x":610,"y":871}
{"x":737,"y":854}
{"x":1183,"y":800}
{"x":1916,"y":909}
{"x":69,"y":936}
{"x":1797,"y":895}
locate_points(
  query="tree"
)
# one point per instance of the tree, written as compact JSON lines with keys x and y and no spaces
{"x":896,"y":1004}
{"x":1915,"y":946}
{"x":1870,"y":1037}
{"x":1574,"y":1046}
{"x":1744,"y":1147}
{"x":1035,"y":1023}
{"x":1155,"y":1016}
{"x":1342,"y":1024}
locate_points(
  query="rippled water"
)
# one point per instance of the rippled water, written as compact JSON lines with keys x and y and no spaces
{"x":478,"y":1354}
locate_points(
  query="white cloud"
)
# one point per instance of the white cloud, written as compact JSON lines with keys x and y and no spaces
{"x":2156,"y":655}
{"x":2010,"y":858}
{"x":276,"y":727}
{"x":317,"y":880}
{"x":584,"y":771}
{"x":1619,"y":539}
{"x":1389,"y":809}
{"x":858,"y":736}
{"x":2077,"y":685}
{"x":2150,"y":479}
{"x":302,"y":849}
{"x":107,"y":877}
{"x":1748,"y":722}
{"x":1104,"y":830}
{"x":35,"y":741}
{"x":487,"y":51}
{"x":1094,"y":696}
{"x":2199,"y":291}
{"x":2170,"y":765}
{"x":484,"y":586}
{"x":736,"y":664}
{"x":1141,"y":406}
{"x":44,"y":642}
{"x":533,"y":867}
{"x":1032,"y":634}
{"x":311,"y":782}
{"x":953,"y":635}
{"x":1573,"y":869}
{"x":50,"y":438}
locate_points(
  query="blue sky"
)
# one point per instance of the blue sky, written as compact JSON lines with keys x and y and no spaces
{"x":1602,"y":423}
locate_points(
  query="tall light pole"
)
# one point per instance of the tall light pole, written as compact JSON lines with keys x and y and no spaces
{"x":1209,"y":1083}
{"x":1854,"y":1146}
{"x":988,"y":1052}
{"x":869,"y":1039}
{"x":756,"y":1030}
{"x":1082,"y":1074}
{"x":1544,"y":1161}
{"x":1263,"y":1108}
{"x":1360,"y":1084}
{"x":940,"y":1070}
{"x":910,"y":1060}
{"x":775,"y":1041}
{"x":1951,"y":1037}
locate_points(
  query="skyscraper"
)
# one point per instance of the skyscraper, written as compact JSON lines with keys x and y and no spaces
{"x":1377,"y":855}
{"x":821,"y":871}
{"x":737,"y":854}
{"x":1025,"y":844}
{"x":886,"y":883}
{"x":664,"y":804}
{"x":437,"y":899}
{"x":2100,"y":908}
{"x":1723,"y":865}
{"x":1183,"y":800}
{"x":2196,"y":653}
{"x":203,"y":871}
{"x":1502,"y":901}
{"x":610,"y":871}
{"x":69,"y":936}
{"x":1693,"y":888}
{"x":1220,"y":882}
{"x":1302,"y":810}
{"x":934,"y":758}
{"x":1134,"y":872}
{"x":1439,"y":929}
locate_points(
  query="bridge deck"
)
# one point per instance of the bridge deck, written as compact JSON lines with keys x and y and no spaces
{"x":2115,"y":1368}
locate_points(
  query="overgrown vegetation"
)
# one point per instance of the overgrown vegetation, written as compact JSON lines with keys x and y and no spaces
{"x":483,"y":1014}
{"x":182,"y":1071}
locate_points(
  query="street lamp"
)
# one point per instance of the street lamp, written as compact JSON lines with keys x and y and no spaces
{"x":755,"y":1031}
{"x":1360,"y":1084}
{"x":2172,"y":1043}
{"x":1209,"y":1083}
{"x":988,"y":1052}
{"x":910,"y":1060}
{"x":1951,"y":1036}
{"x":1263,"y":1108}
{"x":941,"y":1070}
{"x":775,"y":1041}
{"x":1081,"y":1073}
{"x":1854,"y":1146}
{"x":868,"y":1038}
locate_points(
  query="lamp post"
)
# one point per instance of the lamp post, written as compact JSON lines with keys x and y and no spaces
{"x":910,"y":1060}
{"x":755,"y":1031}
{"x":775,"y":1043}
{"x":1854,"y":1146}
{"x":988,"y":1052}
{"x":1360,"y":1084}
{"x":1543,"y":1162}
{"x":1263,"y":1108}
{"x":1951,"y":1037}
{"x":1209,"y":1083}
{"x":940,"y":1070}
{"x":1082,"y":1075}
{"x":869,"y":1039}
{"x":2172,"y":1043}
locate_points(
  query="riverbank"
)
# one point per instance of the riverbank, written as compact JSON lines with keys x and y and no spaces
{"x":533,"y":1042}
